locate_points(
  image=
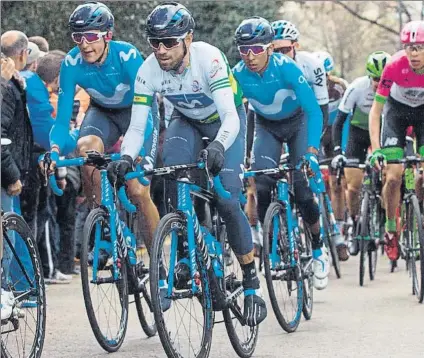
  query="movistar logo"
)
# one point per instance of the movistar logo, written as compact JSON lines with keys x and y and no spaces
{"x":126,"y":56}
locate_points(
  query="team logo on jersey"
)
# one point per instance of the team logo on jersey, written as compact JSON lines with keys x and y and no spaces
{"x":277,"y":104}
{"x":117,"y":97}
{"x":190,"y":101}
{"x":196,"y":87}
{"x":69,"y":60}
{"x":215,"y":67}
{"x":318,"y":77}
{"x":126,"y":56}
{"x":302,"y":79}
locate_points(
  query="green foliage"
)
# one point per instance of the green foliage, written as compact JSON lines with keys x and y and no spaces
{"x":215,"y":21}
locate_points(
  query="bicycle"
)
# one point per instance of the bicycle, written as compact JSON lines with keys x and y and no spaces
{"x":412,"y":232}
{"x":213,"y":283}
{"x":370,"y":227}
{"x":26,"y":288}
{"x":328,"y":225}
{"x":112,"y":260}
{"x":287,"y":257}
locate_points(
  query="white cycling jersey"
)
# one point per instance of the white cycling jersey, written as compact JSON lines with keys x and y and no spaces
{"x":204,"y":92}
{"x":358,"y":99}
{"x":314,"y":72}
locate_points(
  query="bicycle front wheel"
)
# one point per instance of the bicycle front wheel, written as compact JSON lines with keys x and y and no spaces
{"x":99,"y":285}
{"x":284,"y":281}
{"x":185,"y":328}
{"x":22,"y":335}
{"x":415,"y":250}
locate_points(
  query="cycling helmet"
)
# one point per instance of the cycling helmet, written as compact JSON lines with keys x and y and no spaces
{"x":254,"y":30}
{"x":376,"y":62}
{"x":169,"y":19}
{"x":413,"y":32}
{"x":285,"y":30}
{"x":326,"y":59}
{"x":91,"y":16}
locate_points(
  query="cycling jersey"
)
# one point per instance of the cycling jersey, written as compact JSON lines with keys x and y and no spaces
{"x":205,"y":92}
{"x":110,"y":85}
{"x":401,"y":82}
{"x":280,"y":93}
{"x":358,"y":99}
{"x":335,"y":93}
{"x":314,"y":73}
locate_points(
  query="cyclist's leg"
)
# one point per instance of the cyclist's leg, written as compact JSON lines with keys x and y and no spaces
{"x":98,"y":132}
{"x":393,"y":141}
{"x":356,"y":151}
{"x":147,"y":213}
{"x":297,"y":142}
{"x":238,"y":230}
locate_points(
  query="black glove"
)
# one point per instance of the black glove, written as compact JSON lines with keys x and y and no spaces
{"x":116,"y":170}
{"x":215,"y":157}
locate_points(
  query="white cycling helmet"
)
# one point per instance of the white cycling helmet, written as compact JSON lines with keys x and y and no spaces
{"x":285,"y":30}
{"x":326,"y":59}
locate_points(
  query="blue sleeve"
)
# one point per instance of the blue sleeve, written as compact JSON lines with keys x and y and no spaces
{"x":308,"y":102}
{"x":71,"y":142}
{"x":60,"y":130}
{"x":40,"y":110}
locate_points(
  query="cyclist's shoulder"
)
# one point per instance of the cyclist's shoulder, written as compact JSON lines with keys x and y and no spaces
{"x":308,"y":59}
{"x":359,"y":83}
{"x":397,"y":63}
{"x":124,"y":50}
{"x":73,"y":59}
{"x":239,"y":68}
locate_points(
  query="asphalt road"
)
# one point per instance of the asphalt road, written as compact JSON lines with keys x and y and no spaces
{"x":381,"y":319}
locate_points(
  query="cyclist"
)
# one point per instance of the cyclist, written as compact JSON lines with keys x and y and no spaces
{"x":336,"y":88}
{"x":286,"y":112}
{"x":106,"y":70}
{"x":400,"y":98}
{"x":195,"y":77}
{"x":358,"y":99}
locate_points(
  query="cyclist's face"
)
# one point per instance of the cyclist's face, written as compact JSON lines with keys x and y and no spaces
{"x":91,"y":52}
{"x":168,"y":59}
{"x":415,"y":56}
{"x":285,"y":47}
{"x":257,"y":63}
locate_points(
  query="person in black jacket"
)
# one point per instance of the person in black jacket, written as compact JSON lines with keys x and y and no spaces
{"x":15,"y":124}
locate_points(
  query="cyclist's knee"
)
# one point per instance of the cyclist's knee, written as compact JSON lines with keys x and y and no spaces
{"x":394,"y":176}
{"x":263,"y":198}
{"x":138,"y":192}
{"x":309,"y":210}
{"x":90,"y":142}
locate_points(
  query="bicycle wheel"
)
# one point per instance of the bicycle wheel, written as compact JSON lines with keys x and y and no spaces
{"x":306,"y":260}
{"x":328,"y":240}
{"x":364,"y":233}
{"x":416,"y":236}
{"x":143,"y":301}
{"x":375,"y":235}
{"x":282,"y":278}
{"x":242,"y":337}
{"x":172,"y":226}
{"x":110,"y":333}
{"x":22,"y":335}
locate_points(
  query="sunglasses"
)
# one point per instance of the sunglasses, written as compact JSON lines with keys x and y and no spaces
{"x":90,"y":37}
{"x":255,"y":49}
{"x":376,"y":79}
{"x":168,"y":42}
{"x":413,"y":47}
{"x":284,"y":50}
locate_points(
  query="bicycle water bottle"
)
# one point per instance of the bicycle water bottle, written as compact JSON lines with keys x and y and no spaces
{"x":129,"y":239}
{"x":214,"y":249}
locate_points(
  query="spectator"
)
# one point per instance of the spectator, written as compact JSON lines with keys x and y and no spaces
{"x":41,"y":42}
{"x":34,"y":54}
{"x":16,"y":157}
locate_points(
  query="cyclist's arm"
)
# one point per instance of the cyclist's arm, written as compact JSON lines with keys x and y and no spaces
{"x":338,"y":128}
{"x":218,"y":75}
{"x":60,"y":130}
{"x":308,"y":103}
{"x":143,"y":98}
{"x":325,"y":115}
{"x":383,"y":91}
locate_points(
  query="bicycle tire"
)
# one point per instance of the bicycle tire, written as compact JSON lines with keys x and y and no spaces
{"x":167,"y":224}
{"x":419,"y":290}
{"x":244,"y":348}
{"x":149,"y":329}
{"x":109,"y":345}
{"x":328,"y":239}
{"x":364,"y":222}
{"x":277,"y":208}
{"x":15,"y":222}
{"x":308,"y":279}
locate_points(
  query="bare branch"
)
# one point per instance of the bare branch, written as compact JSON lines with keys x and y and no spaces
{"x":360,"y":17}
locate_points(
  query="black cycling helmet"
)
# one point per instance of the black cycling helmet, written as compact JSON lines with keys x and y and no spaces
{"x":254,"y":30}
{"x":91,"y":16}
{"x":169,"y":19}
